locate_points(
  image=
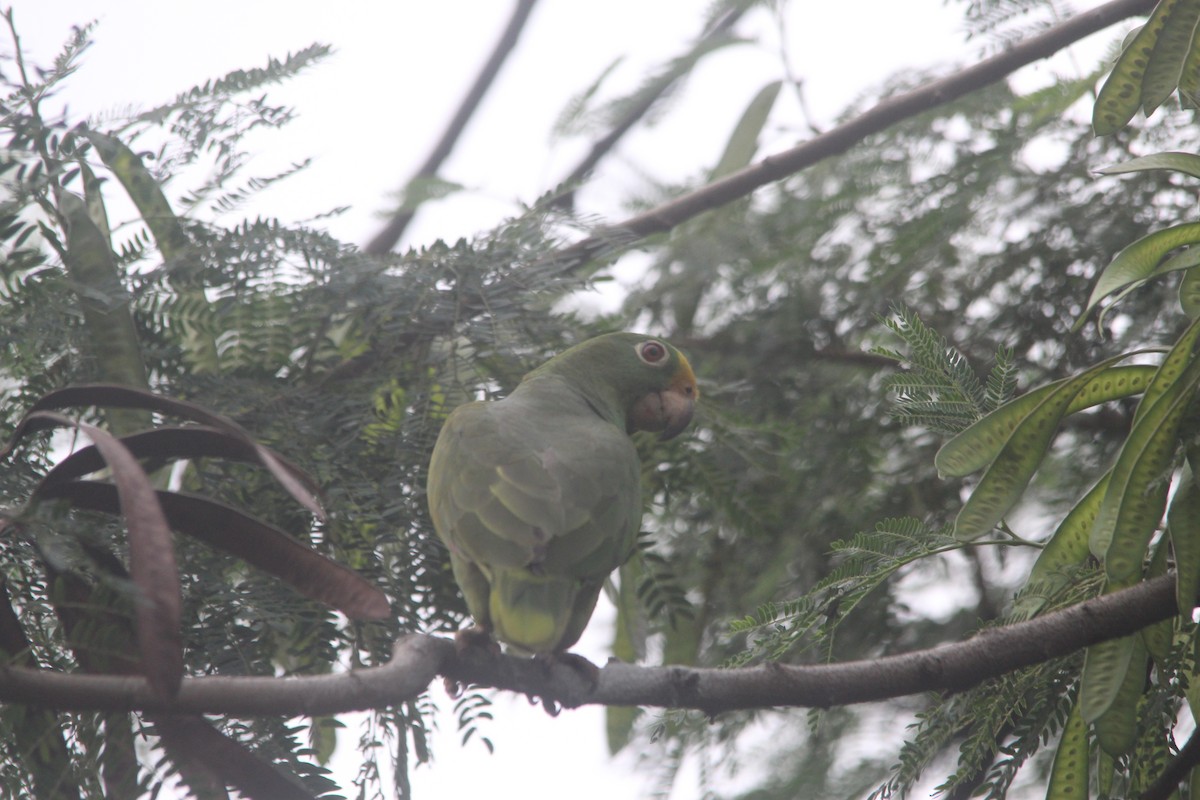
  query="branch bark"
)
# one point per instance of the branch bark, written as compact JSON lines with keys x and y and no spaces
{"x":837,"y":140}
{"x":387,"y":238}
{"x":418,"y":659}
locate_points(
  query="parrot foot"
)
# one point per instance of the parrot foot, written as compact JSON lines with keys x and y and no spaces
{"x":580,"y":666}
{"x":475,"y":636}
{"x":586,"y":670}
{"x":464,"y":640}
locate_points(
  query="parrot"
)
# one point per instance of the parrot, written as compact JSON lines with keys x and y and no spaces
{"x":538,"y":497}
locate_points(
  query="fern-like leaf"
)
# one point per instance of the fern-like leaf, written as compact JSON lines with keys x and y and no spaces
{"x":867,"y":560}
{"x":941,"y":391}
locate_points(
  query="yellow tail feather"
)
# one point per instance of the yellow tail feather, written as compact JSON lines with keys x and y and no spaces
{"x":531,"y":611}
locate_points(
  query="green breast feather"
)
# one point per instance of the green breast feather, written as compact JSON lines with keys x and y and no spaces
{"x":537,"y":495}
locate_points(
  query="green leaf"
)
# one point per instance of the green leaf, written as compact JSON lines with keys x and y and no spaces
{"x":1183,"y":525}
{"x":629,"y":645}
{"x":1184,"y":261}
{"x":322,"y":737}
{"x":1121,"y":95}
{"x":144,"y":191}
{"x":1175,"y":41}
{"x":1187,"y":163}
{"x":1069,"y":775}
{"x":1189,"y":79}
{"x":1117,"y":683}
{"x":105,"y":304}
{"x":1133,"y":505}
{"x":1106,"y":771}
{"x":1066,"y":548}
{"x":426,"y":188}
{"x":169,"y":238}
{"x":1139,"y":262}
{"x":1104,"y":669}
{"x":1005,"y":480}
{"x":1015,"y":464}
{"x":1192,"y":692}
{"x":941,"y":391}
{"x":1131,"y":510}
{"x":95,"y":201}
{"x":618,"y":726}
{"x":1189,"y":289}
{"x":978,"y":445}
{"x":743,"y":142}
{"x":1172,"y":366}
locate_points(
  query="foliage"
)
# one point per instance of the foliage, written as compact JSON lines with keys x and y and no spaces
{"x":942,"y":392}
{"x":1157,"y":60}
{"x":947,"y":215}
{"x":342,"y":363}
{"x":868,"y":560}
{"x":947,"y":233}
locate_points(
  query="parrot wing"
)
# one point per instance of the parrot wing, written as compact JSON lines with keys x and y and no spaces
{"x":538,"y":506}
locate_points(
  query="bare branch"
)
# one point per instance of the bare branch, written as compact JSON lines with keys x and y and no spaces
{"x":418,"y":659}
{"x":387,"y":238}
{"x":840,"y":139}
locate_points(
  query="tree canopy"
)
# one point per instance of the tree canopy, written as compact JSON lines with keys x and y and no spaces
{"x":944,"y":461}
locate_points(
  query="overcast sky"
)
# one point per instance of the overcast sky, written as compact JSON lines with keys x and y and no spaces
{"x":369,"y":115}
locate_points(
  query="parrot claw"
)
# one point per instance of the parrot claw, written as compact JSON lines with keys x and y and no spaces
{"x":584,"y":668}
{"x":577,"y":664}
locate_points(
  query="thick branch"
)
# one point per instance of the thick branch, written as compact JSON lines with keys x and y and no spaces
{"x":840,"y":139}
{"x":418,"y":659}
{"x":387,"y":238}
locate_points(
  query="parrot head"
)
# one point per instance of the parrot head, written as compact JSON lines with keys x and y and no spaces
{"x":643,"y":380}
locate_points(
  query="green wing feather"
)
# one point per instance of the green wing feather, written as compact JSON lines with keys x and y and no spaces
{"x":538,"y":499}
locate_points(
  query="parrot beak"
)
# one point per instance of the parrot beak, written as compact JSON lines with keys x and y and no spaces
{"x":670,"y":410}
{"x":678,"y":408}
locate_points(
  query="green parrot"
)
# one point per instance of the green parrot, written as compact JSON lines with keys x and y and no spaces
{"x":538,"y":495}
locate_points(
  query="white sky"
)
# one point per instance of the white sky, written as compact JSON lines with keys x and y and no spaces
{"x":370,"y":113}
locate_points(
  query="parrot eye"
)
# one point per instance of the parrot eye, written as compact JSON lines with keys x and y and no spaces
{"x":653,"y":353}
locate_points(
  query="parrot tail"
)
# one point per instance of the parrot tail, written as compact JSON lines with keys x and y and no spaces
{"x":530,"y":611}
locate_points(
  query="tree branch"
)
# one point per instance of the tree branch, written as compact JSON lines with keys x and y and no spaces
{"x":838,"y":140}
{"x":387,"y":238}
{"x":1184,"y":762}
{"x":418,"y":659}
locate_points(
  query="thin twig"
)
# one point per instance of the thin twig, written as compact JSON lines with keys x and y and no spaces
{"x":649,"y":97}
{"x":387,"y":238}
